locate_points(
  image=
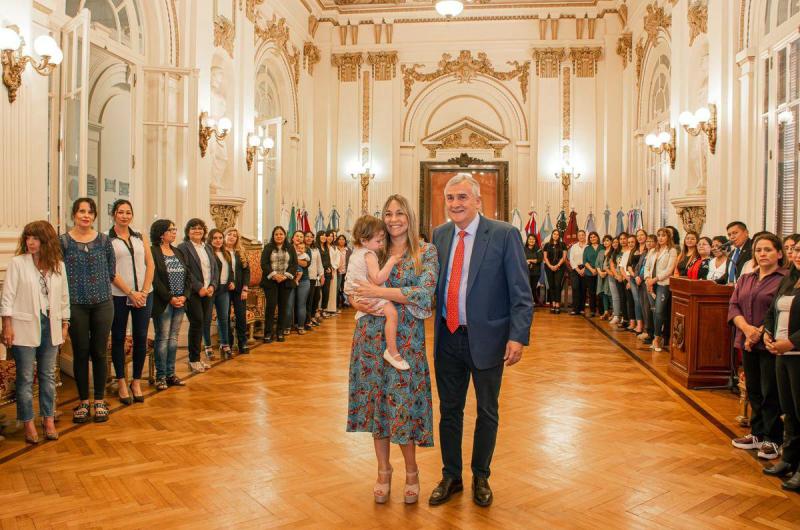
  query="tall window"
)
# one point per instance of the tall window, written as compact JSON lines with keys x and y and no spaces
{"x":657,"y":167}
{"x":121,"y":19}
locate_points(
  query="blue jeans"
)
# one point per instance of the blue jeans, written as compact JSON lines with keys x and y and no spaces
{"x":45,"y":357}
{"x":240,"y":312}
{"x":140,"y":321}
{"x":637,"y":303}
{"x":222,"y":303}
{"x":300,"y":302}
{"x":168,"y":327}
{"x":616,"y":299}
{"x":662,"y":307}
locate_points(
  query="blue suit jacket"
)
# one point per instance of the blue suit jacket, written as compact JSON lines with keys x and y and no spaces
{"x":499,"y":300}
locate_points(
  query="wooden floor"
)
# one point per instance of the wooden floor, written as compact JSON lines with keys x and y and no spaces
{"x":589,"y":438}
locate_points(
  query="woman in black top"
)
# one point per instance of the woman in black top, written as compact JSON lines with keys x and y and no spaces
{"x":688,"y":255}
{"x":241,"y":286}
{"x":325,"y":255}
{"x":555,"y":254}
{"x":279,"y":267}
{"x":533,"y":256}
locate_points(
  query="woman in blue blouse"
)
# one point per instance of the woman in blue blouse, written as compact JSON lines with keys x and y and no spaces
{"x":91,"y":267}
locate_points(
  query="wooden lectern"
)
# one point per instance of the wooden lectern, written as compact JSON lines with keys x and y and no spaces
{"x":700,"y":345}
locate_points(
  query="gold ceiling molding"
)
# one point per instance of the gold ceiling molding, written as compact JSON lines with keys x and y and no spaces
{"x":464,"y":68}
{"x":313,"y":25}
{"x":461,"y":18}
{"x":351,"y":7}
{"x":224,"y":34}
{"x":311,"y":56}
{"x":656,"y":20}
{"x":640,"y":51}
{"x":548,"y":61}
{"x":625,"y":48}
{"x":251,"y":10}
{"x":277,"y":31}
{"x":349,"y":65}
{"x":584,"y":60}
{"x":465,"y":133}
{"x":365,"y":120}
{"x":566,"y":127}
{"x":384,"y":65}
{"x":622,"y":12}
{"x":697,"y":17}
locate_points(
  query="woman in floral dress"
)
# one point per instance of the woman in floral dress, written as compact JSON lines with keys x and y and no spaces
{"x":395,"y":406}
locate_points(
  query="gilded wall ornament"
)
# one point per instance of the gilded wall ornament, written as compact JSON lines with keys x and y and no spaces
{"x":625,"y":48}
{"x":365,"y":113}
{"x":310,"y":56}
{"x":640,"y":50}
{"x":224,"y":215}
{"x":584,"y":60}
{"x":656,"y":20}
{"x":251,"y":10}
{"x":277,"y":31}
{"x":224,"y":34}
{"x":566,"y":124}
{"x":592,"y":23}
{"x":697,"y":17}
{"x":464,"y":68}
{"x":465,"y":133}
{"x":384,"y":65}
{"x":692,"y":218}
{"x":349,"y":65}
{"x":548,"y":61}
{"x":622,"y":13}
{"x":464,"y":160}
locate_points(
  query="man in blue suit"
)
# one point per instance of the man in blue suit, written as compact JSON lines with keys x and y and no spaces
{"x":482,"y":322}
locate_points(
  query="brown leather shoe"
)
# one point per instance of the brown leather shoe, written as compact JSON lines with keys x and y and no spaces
{"x":444,"y":490}
{"x":481,"y":492}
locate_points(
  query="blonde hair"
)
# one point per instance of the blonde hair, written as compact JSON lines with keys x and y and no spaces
{"x":238,"y":246}
{"x":412,"y":236}
{"x":670,"y":241}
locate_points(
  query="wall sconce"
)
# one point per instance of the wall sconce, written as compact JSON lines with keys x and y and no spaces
{"x":209,"y":127}
{"x":663,"y":142}
{"x":364,"y":177}
{"x":14,"y":61}
{"x":257,"y":144}
{"x":703,"y":120}
{"x":565,"y":177}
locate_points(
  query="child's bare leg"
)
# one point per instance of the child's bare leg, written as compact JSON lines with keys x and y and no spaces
{"x":390,"y":330}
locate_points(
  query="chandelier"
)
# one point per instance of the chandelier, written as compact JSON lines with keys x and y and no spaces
{"x":449,"y":8}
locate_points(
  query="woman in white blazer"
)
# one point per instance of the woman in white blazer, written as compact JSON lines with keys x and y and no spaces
{"x":35,"y":311}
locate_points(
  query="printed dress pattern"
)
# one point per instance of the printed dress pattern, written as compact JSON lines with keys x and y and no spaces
{"x":387,"y":402}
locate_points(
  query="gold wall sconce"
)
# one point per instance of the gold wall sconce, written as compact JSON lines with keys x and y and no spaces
{"x":704,"y":120}
{"x":14,"y":62}
{"x":663,"y":142}
{"x":566,"y":177}
{"x":257,"y":144}
{"x":364,"y":177}
{"x":210,"y":127}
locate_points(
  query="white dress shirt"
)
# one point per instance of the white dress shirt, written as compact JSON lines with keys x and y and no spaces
{"x":469,"y":241}
{"x":575,"y":255}
{"x":205,"y":263}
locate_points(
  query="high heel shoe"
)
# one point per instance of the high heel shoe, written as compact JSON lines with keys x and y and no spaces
{"x":400,"y":365}
{"x":382,"y":489}
{"x":139,"y":398}
{"x":33,"y":440}
{"x":411,"y":491}
{"x":125,"y":400}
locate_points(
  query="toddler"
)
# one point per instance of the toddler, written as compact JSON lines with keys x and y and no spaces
{"x":369,"y":234}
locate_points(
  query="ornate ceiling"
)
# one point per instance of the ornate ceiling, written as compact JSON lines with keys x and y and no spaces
{"x":406,"y":4}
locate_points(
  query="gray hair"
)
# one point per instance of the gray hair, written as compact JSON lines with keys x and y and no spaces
{"x":458,"y":178}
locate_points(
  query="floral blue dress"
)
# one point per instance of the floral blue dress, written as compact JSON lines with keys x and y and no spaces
{"x":387,"y":402}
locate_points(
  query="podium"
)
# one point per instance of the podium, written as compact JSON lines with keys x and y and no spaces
{"x":700,"y":343}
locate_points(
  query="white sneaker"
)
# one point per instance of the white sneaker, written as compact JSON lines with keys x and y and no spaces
{"x":615,"y":320}
{"x":206,"y":366}
{"x":769,"y":451}
{"x":196,"y":367}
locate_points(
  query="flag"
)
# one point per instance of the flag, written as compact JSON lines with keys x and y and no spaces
{"x":292,"y":222}
{"x":546,"y":230}
{"x":571,"y":234}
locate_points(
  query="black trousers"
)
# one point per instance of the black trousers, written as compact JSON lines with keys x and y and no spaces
{"x":787,"y":368}
{"x":578,"y":291}
{"x":454,"y":367}
{"x":647,"y":308}
{"x":277,"y":295}
{"x":555,"y":281}
{"x":90,"y":326}
{"x":630,"y":307}
{"x":239,"y":308}
{"x":534,"y":281}
{"x":326,"y":291}
{"x":623,"y":300}
{"x":591,"y":292}
{"x":198,"y":309}
{"x":762,"y":393}
{"x":313,"y":302}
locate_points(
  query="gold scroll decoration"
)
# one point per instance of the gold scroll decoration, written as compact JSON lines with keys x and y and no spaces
{"x":566,"y":125}
{"x":464,"y":68}
{"x":365,"y":120}
{"x":224,"y":34}
{"x":584,"y":60}
{"x":697,"y":17}
{"x":548,"y":61}
{"x":251,"y":10}
{"x":384,"y":65}
{"x":349,"y":65}
{"x":625,"y":48}
{"x":277,"y":31}
{"x":655,"y":20}
{"x":311,"y":56}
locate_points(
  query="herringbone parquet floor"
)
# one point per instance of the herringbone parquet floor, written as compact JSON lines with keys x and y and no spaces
{"x":588,"y":439}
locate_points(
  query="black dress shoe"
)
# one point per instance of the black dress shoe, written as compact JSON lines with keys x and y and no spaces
{"x":780,"y":469}
{"x":267,"y":340}
{"x":481,"y":492}
{"x":281,"y":338}
{"x":444,"y":490}
{"x":793,"y":484}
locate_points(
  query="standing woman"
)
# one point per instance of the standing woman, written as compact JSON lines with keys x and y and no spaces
{"x":555,"y":254}
{"x":590,"y":276}
{"x":279,"y":265}
{"x":749,"y":305}
{"x":533,"y":256}
{"x":688,"y":256}
{"x":638,"y":246}
{"x":316,"y":275}
{"x":647,"y":263}
{"x":205,"y":276}
{"x":329,"y":305}
{"x":303,"y":282}
{"x":221,"y":298}
{"x":662,"y":268}
{"x":172,"y":285}
{"x":699,"y":268}
{"x":35,"y":311}
{"x":91,"y":267}
{"x":325,"y":255}
{"x":612,"y":258}
{"x":782,"y":339}
{"x":603,"y":289}
{"x":238,"y":288}
{"x":344,"y":259}
{"x":131,"y":290}
{"x":395,"y":406}
{"x":789,"y":243}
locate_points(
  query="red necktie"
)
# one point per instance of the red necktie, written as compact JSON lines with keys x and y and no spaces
{"x":455,"y":284}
